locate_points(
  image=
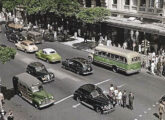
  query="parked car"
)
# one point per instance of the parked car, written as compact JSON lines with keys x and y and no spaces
{"x":39,"y":71}
{"x":14,"y":26}
{"x":26,"y":46}
{"x":48,"y":36}
{"x":93,"y":96}
{"x":31,"y":89}
{"x":34,"y":36}
{"x":15,"y":37}
{"x":78,"y":65}
{"x":49,"y":55}
{"x":8,"y":32}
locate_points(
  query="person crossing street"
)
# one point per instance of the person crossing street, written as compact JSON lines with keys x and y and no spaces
{"x":131,"y":99}
{"x":124,"y":99}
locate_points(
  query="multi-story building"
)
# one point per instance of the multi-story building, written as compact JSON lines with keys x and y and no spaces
{"x":130,"y":18}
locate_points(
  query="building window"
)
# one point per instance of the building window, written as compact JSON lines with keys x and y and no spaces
{"x":98,"y":3}
{"x":127,"y":2}
{"x":88,"y":3}
{"x":134,"y":2}
{"x":114,"y":1}
{"x":143,"y":3}
{"x":151,"y":3}
{"x":159,"y":3}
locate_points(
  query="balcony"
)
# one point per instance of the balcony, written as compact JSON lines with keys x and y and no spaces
{"x":126,"y":7}
{"x":114,"y":6}
{"x":142,"y":9}
{"x":150,"y":10}
{"x":134,"y":8}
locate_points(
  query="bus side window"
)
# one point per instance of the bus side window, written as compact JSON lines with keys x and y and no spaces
{"x":96,"y":52}
{"x":104,"y":54}
{"x":117,"y":57}
{"x":125,"y":60}
{"x":109,"y":55}
{"x":112,"y":56}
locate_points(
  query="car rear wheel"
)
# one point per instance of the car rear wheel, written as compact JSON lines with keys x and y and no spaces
{"x":114,"y":69}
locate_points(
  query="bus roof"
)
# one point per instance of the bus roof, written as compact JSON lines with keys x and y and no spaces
{"x":117,"y":51}
{"x":28,"y":79}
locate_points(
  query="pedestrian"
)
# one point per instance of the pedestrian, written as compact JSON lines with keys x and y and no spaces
{"x":119,"y":97}
{"x":10,"y":115}
{"x":161,"y":110}
{"x":114,"y":101}
{"x":111,"y":89}
{"x":124,"y":99}
{"x":116,"y":91}
{"x":125,"y":45}
{"x":131,"y":99}
{"x":158,"y":68}
{"x":153,"y":68}
{"x":161,"y":69}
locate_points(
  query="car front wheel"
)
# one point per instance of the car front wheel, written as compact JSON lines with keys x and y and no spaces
{"x":98,"y":110}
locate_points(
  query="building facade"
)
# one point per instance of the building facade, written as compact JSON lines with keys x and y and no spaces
{"x":149,"y":9}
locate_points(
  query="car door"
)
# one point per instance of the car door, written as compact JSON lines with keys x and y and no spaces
{"x":43,"y":54}
{"x":73,"y":65}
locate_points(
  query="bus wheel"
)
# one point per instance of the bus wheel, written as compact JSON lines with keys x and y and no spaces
{"x":114,"y":69}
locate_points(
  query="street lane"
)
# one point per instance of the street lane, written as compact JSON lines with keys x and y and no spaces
{"x":147,"y":89}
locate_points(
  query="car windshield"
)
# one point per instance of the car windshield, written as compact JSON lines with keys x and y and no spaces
{"x":95,"y":93}
{"x":41,"y":69}
{"x":52,"y":52}
{"x":36,"y":88}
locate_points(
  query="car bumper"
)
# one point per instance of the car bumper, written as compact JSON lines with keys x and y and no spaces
{"x":56,"y":60}
{"x":31,"y":51}
{"x":132,"y":71}
{"x":88,"y":72}
{"x":46,"y":81}
{"x":108,"y":110}
{"x":47,"y":104}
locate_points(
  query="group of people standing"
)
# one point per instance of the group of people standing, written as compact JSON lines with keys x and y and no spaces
{"x":117,"y":97}
{"x":155,"y":64}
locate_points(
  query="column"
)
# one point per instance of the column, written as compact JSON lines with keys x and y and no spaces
{"x":163,"y":14}
{"x":138,"y":5}
{"x":147,"y":4}
{"x":119,"y":5}
{"x":110,"y":4}
{"x":131,"y":4}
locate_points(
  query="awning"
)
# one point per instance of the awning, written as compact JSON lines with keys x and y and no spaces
{"x":143,"y":27}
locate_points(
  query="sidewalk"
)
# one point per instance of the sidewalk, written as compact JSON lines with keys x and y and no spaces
{"x":88,"y":47}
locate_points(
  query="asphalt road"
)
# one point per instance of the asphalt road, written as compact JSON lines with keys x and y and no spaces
{"x":146,"y":88}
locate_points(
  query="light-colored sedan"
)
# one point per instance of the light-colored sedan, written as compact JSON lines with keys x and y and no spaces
{"x":26,"y":46}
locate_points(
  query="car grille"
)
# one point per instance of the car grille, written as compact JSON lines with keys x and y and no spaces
{"x":46,"y":101}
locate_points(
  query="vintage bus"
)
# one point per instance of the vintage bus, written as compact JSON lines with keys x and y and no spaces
{"x":117,"y":58}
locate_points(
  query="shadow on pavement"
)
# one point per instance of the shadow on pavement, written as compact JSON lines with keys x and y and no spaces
{"x":156,"y":115}
{"x":8,"y":93}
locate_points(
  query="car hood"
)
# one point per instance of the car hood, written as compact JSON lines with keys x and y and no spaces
{"x":102,"y":99}
{"x":42,"y":94}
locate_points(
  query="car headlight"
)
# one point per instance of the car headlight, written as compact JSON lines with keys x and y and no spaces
{"x":40,"y":102}
{"x":52,"y":75}
{"x":51,"y":97}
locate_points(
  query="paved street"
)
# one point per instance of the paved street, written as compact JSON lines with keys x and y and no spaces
{"x":146,"y":88}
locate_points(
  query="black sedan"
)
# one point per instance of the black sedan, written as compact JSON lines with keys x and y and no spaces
{"x":38,"y":70}
{"x":92,"y":96}
{"x":78,"y":65}
{"x":15,"y":37}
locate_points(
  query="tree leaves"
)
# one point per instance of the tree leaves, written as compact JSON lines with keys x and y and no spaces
{"x":6,"y":54}
{"x":93,"y":15}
